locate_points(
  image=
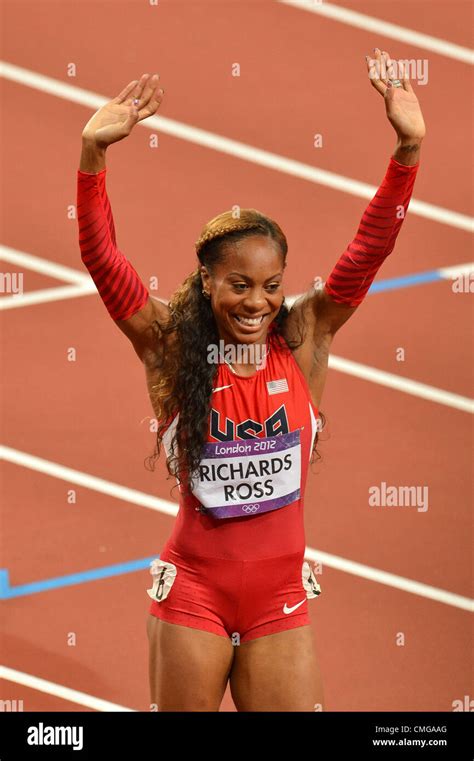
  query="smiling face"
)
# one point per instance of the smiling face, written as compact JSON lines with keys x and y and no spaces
{"x":246,"y":289}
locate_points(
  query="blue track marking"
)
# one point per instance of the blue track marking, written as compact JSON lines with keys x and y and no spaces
{"x":7,"y":592}
{"x":406,"y":281}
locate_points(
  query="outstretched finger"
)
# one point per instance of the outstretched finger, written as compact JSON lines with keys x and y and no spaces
{"x":152,"y":106}
{"x":404,"y":77}
{"x":373,"y":67}
{"x":150,"y":86}
{"x":121,"y":97}
{"x":135,"y":95}
{"x":388,"y":65}
{"x":381,"y":57}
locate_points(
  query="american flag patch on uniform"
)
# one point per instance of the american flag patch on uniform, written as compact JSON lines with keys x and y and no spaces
{"x":277,"y":386}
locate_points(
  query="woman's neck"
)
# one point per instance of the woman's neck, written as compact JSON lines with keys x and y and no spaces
{"x":244,"y":359}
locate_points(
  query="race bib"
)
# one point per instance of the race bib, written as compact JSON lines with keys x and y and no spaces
{"x":163,"y":574}
{"x":309,"y":581}
{"x":249,"y":476}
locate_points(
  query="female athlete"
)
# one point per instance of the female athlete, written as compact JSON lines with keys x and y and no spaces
{"x":235,"y":379}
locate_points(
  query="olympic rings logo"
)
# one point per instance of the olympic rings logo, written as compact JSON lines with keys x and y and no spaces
{"x":250,"y":508}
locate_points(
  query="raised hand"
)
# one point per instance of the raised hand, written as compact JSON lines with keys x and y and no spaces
{"x":116,"y":119}
{"x":401,"y":104}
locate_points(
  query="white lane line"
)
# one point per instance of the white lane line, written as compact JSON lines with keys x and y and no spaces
{"x":390,"y":579}
{"x":59,"y":691}
{"x":43,"y":266}
{"x":449,"y":273}
{"x":78,"y":283}
{"x":234,"y":148}
{"x":89,"y":482}
{"x":57,"y":293}
{"x":405,"y":385}
{"x":385,"y":28}
{"x":169,"y":508}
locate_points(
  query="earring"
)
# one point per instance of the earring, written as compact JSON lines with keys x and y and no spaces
{"x":205,"y":294}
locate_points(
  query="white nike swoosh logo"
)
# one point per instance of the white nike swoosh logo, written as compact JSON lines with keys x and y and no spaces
{"x":221,"y":387}
{"x":286,"y":609}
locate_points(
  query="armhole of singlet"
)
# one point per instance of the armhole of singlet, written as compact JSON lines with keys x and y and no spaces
{"x":169,"y":433}
{"x":314,"y":408}
{"x":167,"y":440}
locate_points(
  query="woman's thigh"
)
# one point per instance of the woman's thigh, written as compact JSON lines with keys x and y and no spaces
{"x":188,"y":668}
{"x":278,"y":672}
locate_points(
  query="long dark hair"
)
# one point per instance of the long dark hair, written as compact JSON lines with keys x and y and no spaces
{"x":185,"y":377}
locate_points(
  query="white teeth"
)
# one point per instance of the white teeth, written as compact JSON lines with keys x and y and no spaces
{"x":248,"y":321}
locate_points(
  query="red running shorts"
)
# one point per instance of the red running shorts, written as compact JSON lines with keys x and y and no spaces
{"x":237,"y":599}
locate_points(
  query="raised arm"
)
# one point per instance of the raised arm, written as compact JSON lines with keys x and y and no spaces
{"x":354,"y":272}
{"x":323,"y":311}
{"x":124,"y":295}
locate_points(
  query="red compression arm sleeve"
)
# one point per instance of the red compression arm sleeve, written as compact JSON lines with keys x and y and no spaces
{"x":119,"y":286}
{"x":355,"y":270}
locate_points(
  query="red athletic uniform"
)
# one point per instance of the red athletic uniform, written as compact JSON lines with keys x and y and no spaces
{"x":234,"y":563}
{"x":243,"y":574}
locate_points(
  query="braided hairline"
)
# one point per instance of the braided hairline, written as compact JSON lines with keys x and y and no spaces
{"x":219,"y":231}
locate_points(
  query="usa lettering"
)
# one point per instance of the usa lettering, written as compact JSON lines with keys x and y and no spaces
{"x":276,"y":424}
